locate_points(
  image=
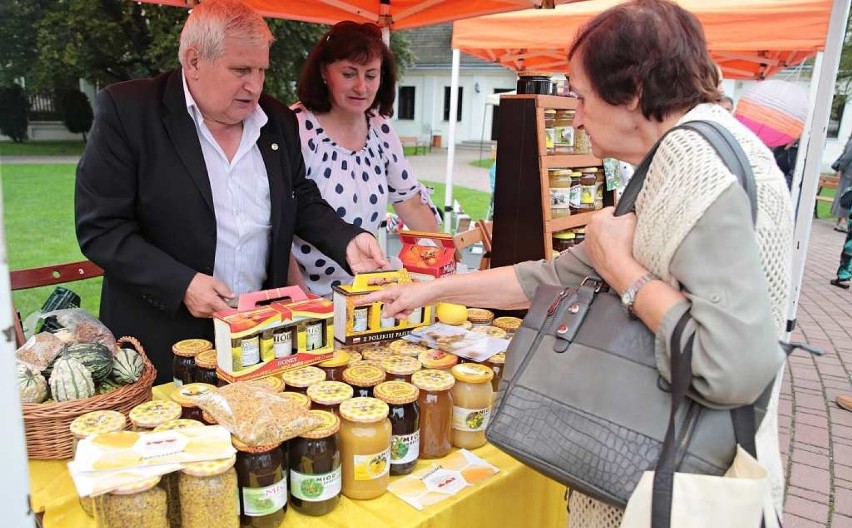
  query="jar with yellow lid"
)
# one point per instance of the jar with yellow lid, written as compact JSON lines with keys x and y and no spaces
{"x":140,"y":505}
{"x":496,"y":362}
{"x":508,"y":324}
{"x":315,"y":475}
{"x":472,"y":398}
{"x":262,"y":481}
{"x":183,"y":363}
{"x":272,"y":384}
{"x":146,"y":416}
{"x":563,"y":240}
{"x":335,"y":366}
{"x":435,"y":359}
{"x":187,"y":397}
{"x":575,"y":192}
{"x":205,"y":368}
{"x":297,"y":397}
{"x":400,"y":368}
{"x":90,"y":424}
{"x":209,"y":494}
{"x":180,"y":423}
{"x":404,"y":415}
{"x":480,"y":316}
{"x":407,"y":348}
{"x":549,"y":130}
{"x":490,"y":331}
{"x":560,"y":192}
{"x":435,"y":403}
{"x":328,"y":395}
{"x":363,"y":378}
{"x":365,"y":435}
{"x":375,"y":353}
{"x":300,"y":379}
{"x":353,"y":358}
{"x":563,"y":142}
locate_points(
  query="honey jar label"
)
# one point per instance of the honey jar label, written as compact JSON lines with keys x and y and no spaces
{"x":258,"y":502}
{"x":405,"y":448}
{"x":313,"y":333}
{"x":315,"y":488}
{"x":470,"y":419}
{"x":282,"y":343}
{"x":370,"y":467}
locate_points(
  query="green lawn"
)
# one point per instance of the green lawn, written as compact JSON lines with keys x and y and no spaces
{"x":484,"y":163}
{"x":823,"y":208}
{"x":42,"y":148}
{"x":475,"y":203}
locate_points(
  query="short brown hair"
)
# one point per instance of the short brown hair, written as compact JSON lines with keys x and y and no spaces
{"x":653,"y":49}
{"x":359,"y":43}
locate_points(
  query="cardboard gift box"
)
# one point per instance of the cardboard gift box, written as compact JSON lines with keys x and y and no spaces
{"x":427,"y":256}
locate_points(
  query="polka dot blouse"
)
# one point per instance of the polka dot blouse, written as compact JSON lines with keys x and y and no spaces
{"x":358,"y":184}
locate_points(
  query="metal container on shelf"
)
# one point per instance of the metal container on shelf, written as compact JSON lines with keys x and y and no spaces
{"x":531,"y":82}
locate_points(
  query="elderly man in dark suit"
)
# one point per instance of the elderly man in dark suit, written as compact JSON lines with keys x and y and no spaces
{"x":192,"y":186}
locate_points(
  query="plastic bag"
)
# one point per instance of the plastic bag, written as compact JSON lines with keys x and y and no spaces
{"x":255,"y":415}
{"x":40,"y":350}
{"x":83,"y":327}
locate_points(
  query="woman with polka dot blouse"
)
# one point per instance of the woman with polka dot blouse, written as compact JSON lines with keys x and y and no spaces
{"x":346,"y":93}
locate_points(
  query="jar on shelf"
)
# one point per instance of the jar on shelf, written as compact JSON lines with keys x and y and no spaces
{"x":183,"y":363}
{"x":335,"y":366}
{"x":436,"y":411}
{"x":575,"y":192}
{"x":365,"y":435}
{"x":315,"y":474}
{"x":205,"y":368}
{"x":496,"y":362}
{"x":300,"y":379}
{"x":563,"y":240}
{"x":579,"y":235}
{"x":404,"y":416}
{"x":530,"y":82}
{"x":588,"y":189}
{"x":140,"y":505}
{"x":563,"y":142}
{"x":582,"y":142}
{"x":91,"y":424}
{"x":437,"y":360}
{"x":208,"y":494}
{"x":363,"y":378}
{"x":187,"y":397}
{"x":146,"y":416}
{"x":472,"y":398}
{"x":400,"y":368}
{"x":549,"y":130}
{"x":328,"y":395}
{"x":262,"y":481}
{"x":560,"y":192}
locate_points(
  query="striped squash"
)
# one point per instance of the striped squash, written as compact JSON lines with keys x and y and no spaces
{"x":127,"y":366}
{"x":70,"y":380}
{"x":94,"y":356}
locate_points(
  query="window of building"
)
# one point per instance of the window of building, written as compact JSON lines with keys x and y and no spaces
{"x":447,"y":104}
{"x":838,"y":104}
{"x":406,"y":102}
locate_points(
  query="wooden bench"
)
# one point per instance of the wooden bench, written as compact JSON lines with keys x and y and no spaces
{"x":416,"y":143}
{"x":825,"y":182}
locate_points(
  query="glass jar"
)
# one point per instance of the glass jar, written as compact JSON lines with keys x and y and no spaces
{"x":328,"y":395}
{"x":404,"y":416}
{"x":335,"y":366}
{"x":180,"y":423}
{"x":354,"y":357}
{"x":582,"y":142}
{"x":271,"y":384}
{"x":530,"y":82}
{"x":183,"y":363}
{"x":579,"y":235}
{"x":90,"y":424}
{"x":560,"y":192}
{"x":140,"y":505}
{"x":297,"y":398}
{"x":402,"y":347}
{"x":146,"y":416}
{"x":315,"y":474}
{"x":480,"y":316}
{"x":187,"y":397}
{"x":375,"y":353}
{"x":588,"y":188}
{"x":365,"y":435}
{"x":205,"y":368}
{"x":496,"y":362}
{"x":575,"y":192}
{"x":363,"y":378}
{"x":436,"y":411}
{"x":549,"y":130}
{"x":262,"y":480}
{"x":472,"y":396}
{"x":508,"y":325}
{"x":282,"y":341}
{"x":563,"y":240}
{"x":437,"y":360}
{"x":563,"y":142}
{"x":400,"y":368}
{"x":209,"y":495}
{"x":247,"y":349}
{"x":299,"y":380}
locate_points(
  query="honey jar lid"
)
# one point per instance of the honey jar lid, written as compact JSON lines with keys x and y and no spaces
{"x":137,"y":487}
{"x":564,"y":235}
{"x":375,"y":352}
{"x":400,"y":365}
{"x":353,"y":357}
{"x":330,"y":392}
{"x":187,"y":395}
{"x":490,"y":331}
{"x":407,"y":348}
{"x":363,"y":375}
{"x":479,"y":315}
{"x":97,"y":422}
{"x":296,"y":397}
{"x":209,"y":467}
{"x":433,"y":380}
{"x":368,"y":362}
{"x":340,"y":358}
{"x":499,"y":358}
{"x":364,"y":410}
{"x":153,"y":413}
{"x":271,"y":383}
{"x":472,"y":373}
{"x":180,"y":423}
{"x":206,"y":359}
{"x":191,"y":347}
{"x":396,"y":392}
{"x":303,"y":377}
{"x":588,"y":170}
{"x":435,"y":359}
{"x":239,"y":445}
{"x":328,"y":425}
{"x":509,"y":324}
{"x":534,"y":74}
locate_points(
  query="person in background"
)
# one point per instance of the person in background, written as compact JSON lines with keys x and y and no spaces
{"x":785,"y":158}
{"x":843,"y":168}
{"x":639,"y":69}
{"x":727,"y":103}
{"x":192,"y":186}
{"x":346,"y":93}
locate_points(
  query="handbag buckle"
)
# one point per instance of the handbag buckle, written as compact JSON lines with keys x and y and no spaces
{"x":599,"y":283}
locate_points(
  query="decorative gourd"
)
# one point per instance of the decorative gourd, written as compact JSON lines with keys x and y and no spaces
{"x":31,"y":384}
{"x":127,"y":366}
{"x":70,"y":380}
{"x":95,"y":357}
{"x":108,"y":385}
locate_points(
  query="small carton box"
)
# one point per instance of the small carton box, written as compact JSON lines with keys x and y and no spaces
{"x":356,"y":323}
{"x":427,"y":256}
{"x":271,"y":331}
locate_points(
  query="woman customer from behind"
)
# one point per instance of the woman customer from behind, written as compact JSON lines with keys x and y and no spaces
{"x":346,"y":93}
{"x":639,"y":69}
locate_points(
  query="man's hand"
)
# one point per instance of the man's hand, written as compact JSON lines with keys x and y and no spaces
{"x":364,"y":254}
{"x":206,"y":295}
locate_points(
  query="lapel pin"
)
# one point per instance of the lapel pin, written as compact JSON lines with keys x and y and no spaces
{"x":275,"y":146}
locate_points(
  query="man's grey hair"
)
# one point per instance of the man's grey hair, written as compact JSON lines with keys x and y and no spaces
{"x":210,"y":22}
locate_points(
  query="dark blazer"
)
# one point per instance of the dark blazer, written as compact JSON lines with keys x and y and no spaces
{"x":144,"y":209}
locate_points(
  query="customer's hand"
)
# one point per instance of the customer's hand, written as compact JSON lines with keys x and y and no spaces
{"x":364,"y":254}
{"x":400,"y":300}
{"x":206,"y":295}
{"x":609,"y":244}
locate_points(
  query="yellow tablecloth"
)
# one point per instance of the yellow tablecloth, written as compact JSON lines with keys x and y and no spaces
{"x":517,"y":496}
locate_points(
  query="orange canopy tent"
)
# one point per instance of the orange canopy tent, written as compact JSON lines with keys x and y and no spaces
{"x":750,"y":39}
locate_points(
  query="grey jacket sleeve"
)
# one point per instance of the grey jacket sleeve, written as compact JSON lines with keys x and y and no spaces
{"x":568,"y":269}
{"x":842,"y":163}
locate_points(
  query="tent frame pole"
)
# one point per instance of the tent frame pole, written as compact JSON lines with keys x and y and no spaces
{"x":451,"y":142}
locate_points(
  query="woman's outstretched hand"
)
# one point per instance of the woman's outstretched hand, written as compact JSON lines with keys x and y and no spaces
{"x":400,"y":300}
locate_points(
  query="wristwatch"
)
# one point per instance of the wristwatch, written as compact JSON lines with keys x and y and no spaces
{"x":628,"y":296}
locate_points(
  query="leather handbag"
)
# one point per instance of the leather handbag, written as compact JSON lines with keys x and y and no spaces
{"x":582,"y":400}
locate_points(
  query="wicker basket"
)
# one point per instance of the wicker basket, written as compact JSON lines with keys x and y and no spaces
{"x":48,"y":426}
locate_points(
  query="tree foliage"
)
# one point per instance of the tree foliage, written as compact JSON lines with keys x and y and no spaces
{"x":844,"y":71}
{"x":76,"y":111}
{"x":14,"y":107}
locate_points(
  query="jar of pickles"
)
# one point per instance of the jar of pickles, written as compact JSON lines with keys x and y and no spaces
{"x":365,"y":435}
{"x":140,"y":505}
{"x":183,"y":363}
{"x":472,"y":398}
{"x":209,"y":495}
{"x":187,"y":397}
{"x":146,"y":416}
{"x":90,"y":424}
{"x":560,"y":191}
{"x":315,"y":474}
{"x":328,"y":395}
{"x":400,"y":368}
{"x":335,"y":366}
{"x":404,"y":416}
{"x":205,"y":368}
{"x":435,"y":359}
{"x":262,"y":481}
{"x":363,"y":378}
{"x":299,"y":380}
{"x":436,"y":411}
